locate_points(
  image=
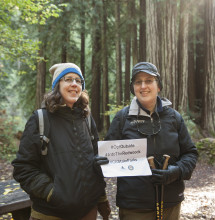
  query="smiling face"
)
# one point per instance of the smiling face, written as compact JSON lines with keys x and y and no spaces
{"x":146,"y":90}
{"x":70,"y":89}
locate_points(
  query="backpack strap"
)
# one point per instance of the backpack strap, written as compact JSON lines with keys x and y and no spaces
{"x":93,"y":139}
{"x":44,"y":130}
{"x":88,"y":123}
{"x":124,"y":113}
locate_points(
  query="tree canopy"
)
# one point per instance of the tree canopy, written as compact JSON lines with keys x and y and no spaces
{"x":106,"y":38}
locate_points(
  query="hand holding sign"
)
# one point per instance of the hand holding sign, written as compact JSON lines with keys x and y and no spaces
{"x":126,"y":157}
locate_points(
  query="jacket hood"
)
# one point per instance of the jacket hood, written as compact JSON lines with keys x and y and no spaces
{"x":133,"y":110}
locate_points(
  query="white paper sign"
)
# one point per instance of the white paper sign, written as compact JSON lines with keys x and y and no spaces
{"x":126,"y":157}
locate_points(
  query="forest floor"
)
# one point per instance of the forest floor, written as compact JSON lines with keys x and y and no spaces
{"x":199,"y":200}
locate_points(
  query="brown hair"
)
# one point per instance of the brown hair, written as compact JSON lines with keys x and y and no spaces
{"x":53,"y":100}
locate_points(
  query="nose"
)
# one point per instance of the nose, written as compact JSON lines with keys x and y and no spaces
{"x":73,"y":83}
{"x":143,"y":85}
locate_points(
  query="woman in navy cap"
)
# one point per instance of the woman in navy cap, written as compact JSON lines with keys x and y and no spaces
{"x":151,"y":117}
{"x":64,"y":180}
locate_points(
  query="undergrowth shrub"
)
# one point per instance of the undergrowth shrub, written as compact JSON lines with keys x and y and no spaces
{"x":192,"y":127}
{"x":8,"y":141}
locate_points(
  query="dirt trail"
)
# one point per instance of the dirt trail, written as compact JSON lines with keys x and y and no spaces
{"x":199,"y":200}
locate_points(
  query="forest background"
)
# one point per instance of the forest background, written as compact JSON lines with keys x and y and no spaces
{"x":106,"y":38}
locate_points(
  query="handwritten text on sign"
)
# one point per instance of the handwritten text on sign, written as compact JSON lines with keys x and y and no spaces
{"x":126,"y":157}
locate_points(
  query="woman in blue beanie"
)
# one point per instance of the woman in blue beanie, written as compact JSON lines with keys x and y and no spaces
{"x":64,"y":180}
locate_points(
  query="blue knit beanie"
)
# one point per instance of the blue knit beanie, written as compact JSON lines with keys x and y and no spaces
{"x":61,"y":69}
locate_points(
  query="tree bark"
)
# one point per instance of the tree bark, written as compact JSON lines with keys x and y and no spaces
{"x":127,"y":57}
{"x":83,"y":39}
{"x":118,"y":55}
{"x":41,"y":72}
{"x":65,"y":39}
{"x":191,"y":60}
{"x":142,"y":32}
{"x":41,"y":78}
{"x":152,"y":47}
{"x":183,"y":57}
{"x":134,"y":33}
{"x":200,"y":53}
{"x":167,"y":11}
{"x":106,"y":118}
{"x":208,"y":113}
{"x":96,"y":67}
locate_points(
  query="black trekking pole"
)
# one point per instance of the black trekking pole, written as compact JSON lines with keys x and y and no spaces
{"x":152,"y":165}
{"x":165,"y":165}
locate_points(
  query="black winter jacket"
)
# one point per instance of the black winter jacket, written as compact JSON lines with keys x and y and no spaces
{"x":171,"y":138}
{"x":67,"y":168}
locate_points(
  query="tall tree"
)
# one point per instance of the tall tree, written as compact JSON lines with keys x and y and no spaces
{"x":208,"y":114}
{"x":134,"y":34}
{"x":199,"y":52}
{"x":168,"y":40}
{"x":65,"y":35}
{"x":152,"y":36}
{"x":127,"y":55}
{"x":191,"y":59}
{"x":118,"y":55}
{"x":142,"y":31}
{"x":106,"y":118}
{"x":82,"y":17}
{"x":41,"y":66}
{"x":41,"y":77}
{"x":96,"y":65}
{"x":183,"y":57}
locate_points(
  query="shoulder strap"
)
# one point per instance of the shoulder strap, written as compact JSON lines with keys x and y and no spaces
{"x":43,"y":129}
{"x":41,"y":122}
{"x":123,"y":115}
{"x":88,"y":123}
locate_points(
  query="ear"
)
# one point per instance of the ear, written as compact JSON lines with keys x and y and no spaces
{"x":160,"y":85}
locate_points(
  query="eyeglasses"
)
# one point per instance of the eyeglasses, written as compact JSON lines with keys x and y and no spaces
{"x":70,"y":80}
{"x":147,"y":82}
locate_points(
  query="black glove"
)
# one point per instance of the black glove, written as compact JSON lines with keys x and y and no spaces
{"x":104,"y":209}
{"x":99,"y":160}
{"x":168,"y":176}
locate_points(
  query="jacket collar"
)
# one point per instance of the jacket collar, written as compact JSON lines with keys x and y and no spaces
{"x":134,"y":107}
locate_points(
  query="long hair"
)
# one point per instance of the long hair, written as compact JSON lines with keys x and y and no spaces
{"x":53,"y":101}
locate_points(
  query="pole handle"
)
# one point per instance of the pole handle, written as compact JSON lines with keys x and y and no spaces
{"x":165,"y":165}
{"x":151,"y":162}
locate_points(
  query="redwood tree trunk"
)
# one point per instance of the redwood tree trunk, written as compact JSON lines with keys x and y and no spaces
{"x":105,"y":100}
{"x":41,"y":73}
{"x":96,"y":68}
{"x":208,"y":113}
{"x":200,"y":53}
{"x":83,"y":40}
{"x":168,"y":42}
{"x":191,"y":61}
{"x":142,"y":31}
{"x":127,"y":58}
{"x":134,"y":34}
{"x":183,"y":57}
{"x":41,"y":79}
{"x":118,"y":55}
{"x":151,"y":34}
